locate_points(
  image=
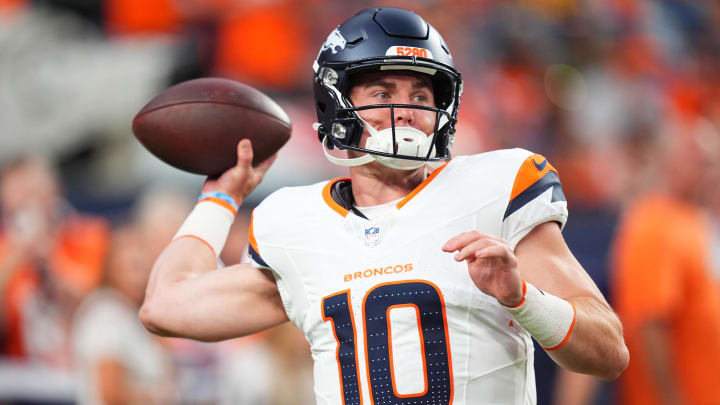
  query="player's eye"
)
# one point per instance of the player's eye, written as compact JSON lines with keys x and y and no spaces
{"x":421,"y":98}
{"x":382,"y":95}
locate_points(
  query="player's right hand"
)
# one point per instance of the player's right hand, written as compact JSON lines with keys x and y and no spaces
{"x":239,"y":181}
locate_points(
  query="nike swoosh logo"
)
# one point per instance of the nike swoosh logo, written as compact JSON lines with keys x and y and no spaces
{"x":540,"y":166}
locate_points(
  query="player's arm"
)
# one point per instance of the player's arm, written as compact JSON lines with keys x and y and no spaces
{"x":187,"y":295}
{"x":595,"y":344}
{"x":549,"y":293}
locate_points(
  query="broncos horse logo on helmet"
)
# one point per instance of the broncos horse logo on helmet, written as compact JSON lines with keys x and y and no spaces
{"x":335,"y":42}
{"x":379,"y":39}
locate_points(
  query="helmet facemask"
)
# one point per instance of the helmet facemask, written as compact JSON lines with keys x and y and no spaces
{"x":399,"y":147}
{"x":384,"y":39}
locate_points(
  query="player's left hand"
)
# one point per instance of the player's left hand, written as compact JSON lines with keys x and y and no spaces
{"x":492,"y":265}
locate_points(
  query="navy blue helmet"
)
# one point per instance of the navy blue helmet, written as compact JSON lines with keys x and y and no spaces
{"x":384,"y":39}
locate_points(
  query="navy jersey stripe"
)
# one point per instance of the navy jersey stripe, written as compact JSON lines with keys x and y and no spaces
{"x":550,"y":179}
{"x":255,"y":256}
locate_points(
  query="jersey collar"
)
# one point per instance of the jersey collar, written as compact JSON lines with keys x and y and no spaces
{"x":337,"y":194}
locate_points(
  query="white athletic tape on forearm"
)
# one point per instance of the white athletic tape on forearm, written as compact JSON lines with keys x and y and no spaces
{"x":209,"y":222}
{"x":548,"y":319}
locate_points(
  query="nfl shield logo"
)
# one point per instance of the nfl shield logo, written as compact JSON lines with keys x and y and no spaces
{"x":372,"y":236}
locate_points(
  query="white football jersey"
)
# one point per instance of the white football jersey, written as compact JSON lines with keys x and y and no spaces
{"x":390,"y":317}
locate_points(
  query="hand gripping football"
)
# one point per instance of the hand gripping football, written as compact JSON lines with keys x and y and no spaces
{"x":196,"y":125}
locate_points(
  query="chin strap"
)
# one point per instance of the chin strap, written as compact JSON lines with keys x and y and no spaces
{"x":393,"y":163}
{"x":367,"y":158}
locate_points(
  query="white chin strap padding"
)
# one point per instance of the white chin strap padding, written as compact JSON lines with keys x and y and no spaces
{"x":367,"y":158}
{"x":409,"y":141}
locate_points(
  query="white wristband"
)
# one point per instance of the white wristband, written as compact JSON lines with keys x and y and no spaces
{"x":548,"y":319}
{"x":209,"y":222}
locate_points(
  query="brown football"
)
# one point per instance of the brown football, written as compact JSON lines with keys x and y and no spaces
{"x":196,"y":125}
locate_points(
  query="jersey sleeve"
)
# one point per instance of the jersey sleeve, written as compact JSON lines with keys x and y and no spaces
{"x":253,"y":250}
{"x":536,"y":198}
{"x":272,"y":231}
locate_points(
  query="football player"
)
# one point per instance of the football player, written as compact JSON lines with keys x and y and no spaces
{"x":420,"y":279}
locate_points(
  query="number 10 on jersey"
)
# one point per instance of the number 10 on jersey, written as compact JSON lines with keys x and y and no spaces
{"x":429,"y":306}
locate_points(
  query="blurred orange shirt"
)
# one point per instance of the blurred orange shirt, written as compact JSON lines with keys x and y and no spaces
{"x":77,"y":261}
{"x":12,"y":5}
{"x":662,"y":273}
{"x":265,"y":46}
{"x":124,"y":17}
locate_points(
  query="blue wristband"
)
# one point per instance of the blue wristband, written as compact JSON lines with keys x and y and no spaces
{"x":209,"y":196}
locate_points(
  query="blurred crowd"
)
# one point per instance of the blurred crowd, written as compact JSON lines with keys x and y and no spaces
{"x":622,"y":96}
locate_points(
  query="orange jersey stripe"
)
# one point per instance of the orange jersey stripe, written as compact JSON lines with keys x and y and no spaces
{"x":421,"y":186}
{"x":531,"y":170}
{"x":327,"y":196}
{"x":251,"y":233}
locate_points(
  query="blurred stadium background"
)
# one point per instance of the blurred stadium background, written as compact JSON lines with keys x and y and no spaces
{"x":589,"y":84}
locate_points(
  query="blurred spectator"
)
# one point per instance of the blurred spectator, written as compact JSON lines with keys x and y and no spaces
{"x":117,"y":360}
{"x":158,"y":214}
{"x":664,"y":290}
{"x":236,"y":247}
{"x":250,"y":368}
{"x":292,"y":364}
{"x":576,"y":389}
{"x":139,"y":17}
{"x":50,"y":258}
{"x":715,"y":244}
{"x":265,"y":45}
{"x":715,"y":210}
{"x":9,"y":6}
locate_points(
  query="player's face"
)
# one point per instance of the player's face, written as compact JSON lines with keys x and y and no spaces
{"x":395,"y":88}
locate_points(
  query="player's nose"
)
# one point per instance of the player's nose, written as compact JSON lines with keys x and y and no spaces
{"x":403,"y":116}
